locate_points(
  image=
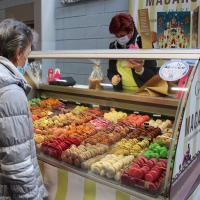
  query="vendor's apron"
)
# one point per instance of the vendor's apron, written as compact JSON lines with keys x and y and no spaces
{"x":128,"y":82}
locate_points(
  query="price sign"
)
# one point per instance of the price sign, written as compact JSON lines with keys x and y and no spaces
{"x":173,"y":70}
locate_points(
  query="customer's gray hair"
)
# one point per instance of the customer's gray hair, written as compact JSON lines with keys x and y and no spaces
{"x":14,"y":35}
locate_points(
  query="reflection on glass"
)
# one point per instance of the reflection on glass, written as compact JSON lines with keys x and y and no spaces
{"x":170,"y":79}
{"x":35,"y":71}
{"x":151,"y":82}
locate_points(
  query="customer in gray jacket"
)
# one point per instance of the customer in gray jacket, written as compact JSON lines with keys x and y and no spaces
{"x":19,"y":171}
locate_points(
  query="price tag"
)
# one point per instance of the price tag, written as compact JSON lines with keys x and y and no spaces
{"x":173,"y":70}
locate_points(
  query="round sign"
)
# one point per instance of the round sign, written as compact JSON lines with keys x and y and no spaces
{"x":173,"y":70}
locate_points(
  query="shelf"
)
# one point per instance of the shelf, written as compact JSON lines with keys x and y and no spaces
{"x":117,"y":54}
{"x":123,"y":100}
{"x":132,"y":191}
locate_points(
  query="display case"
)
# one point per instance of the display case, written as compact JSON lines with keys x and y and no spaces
{"x":146,"y":145}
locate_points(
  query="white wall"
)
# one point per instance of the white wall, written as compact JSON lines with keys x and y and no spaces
{"x":48,"y":32}
{"x":48,"y":24}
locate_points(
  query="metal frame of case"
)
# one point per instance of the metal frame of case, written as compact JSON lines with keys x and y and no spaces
{"x":153,"y":105}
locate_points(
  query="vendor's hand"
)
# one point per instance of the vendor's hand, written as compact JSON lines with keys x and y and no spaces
{"x":136,"y":64}
{"x":115,"y":79}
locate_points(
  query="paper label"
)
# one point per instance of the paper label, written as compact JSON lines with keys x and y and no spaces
{"x":173,"y":70}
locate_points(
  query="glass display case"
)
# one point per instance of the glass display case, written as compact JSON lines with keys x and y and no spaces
{"x":145,"y":143}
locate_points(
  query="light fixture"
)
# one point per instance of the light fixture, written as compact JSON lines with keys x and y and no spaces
{"x":66,"y":2}
{"x":179,"y":89}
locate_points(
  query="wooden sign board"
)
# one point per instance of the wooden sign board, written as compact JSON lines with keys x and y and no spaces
{"x":145,"y":30}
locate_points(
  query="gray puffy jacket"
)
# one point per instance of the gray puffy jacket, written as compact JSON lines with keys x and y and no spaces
{"x":19,"y":171}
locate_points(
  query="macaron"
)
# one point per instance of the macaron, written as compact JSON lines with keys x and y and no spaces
{"x":149,"y":177}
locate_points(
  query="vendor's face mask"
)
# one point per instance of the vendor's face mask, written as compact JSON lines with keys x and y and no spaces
{"x":123,"y":40}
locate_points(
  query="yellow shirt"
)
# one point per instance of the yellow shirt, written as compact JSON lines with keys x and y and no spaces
{"x":128,"y":82}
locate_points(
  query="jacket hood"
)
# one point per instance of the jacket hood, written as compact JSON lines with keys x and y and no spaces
{"x":10,"y":75}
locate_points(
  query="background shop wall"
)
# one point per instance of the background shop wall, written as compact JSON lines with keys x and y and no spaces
{"x":4,"y":4}
{"x":84,"y":26}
